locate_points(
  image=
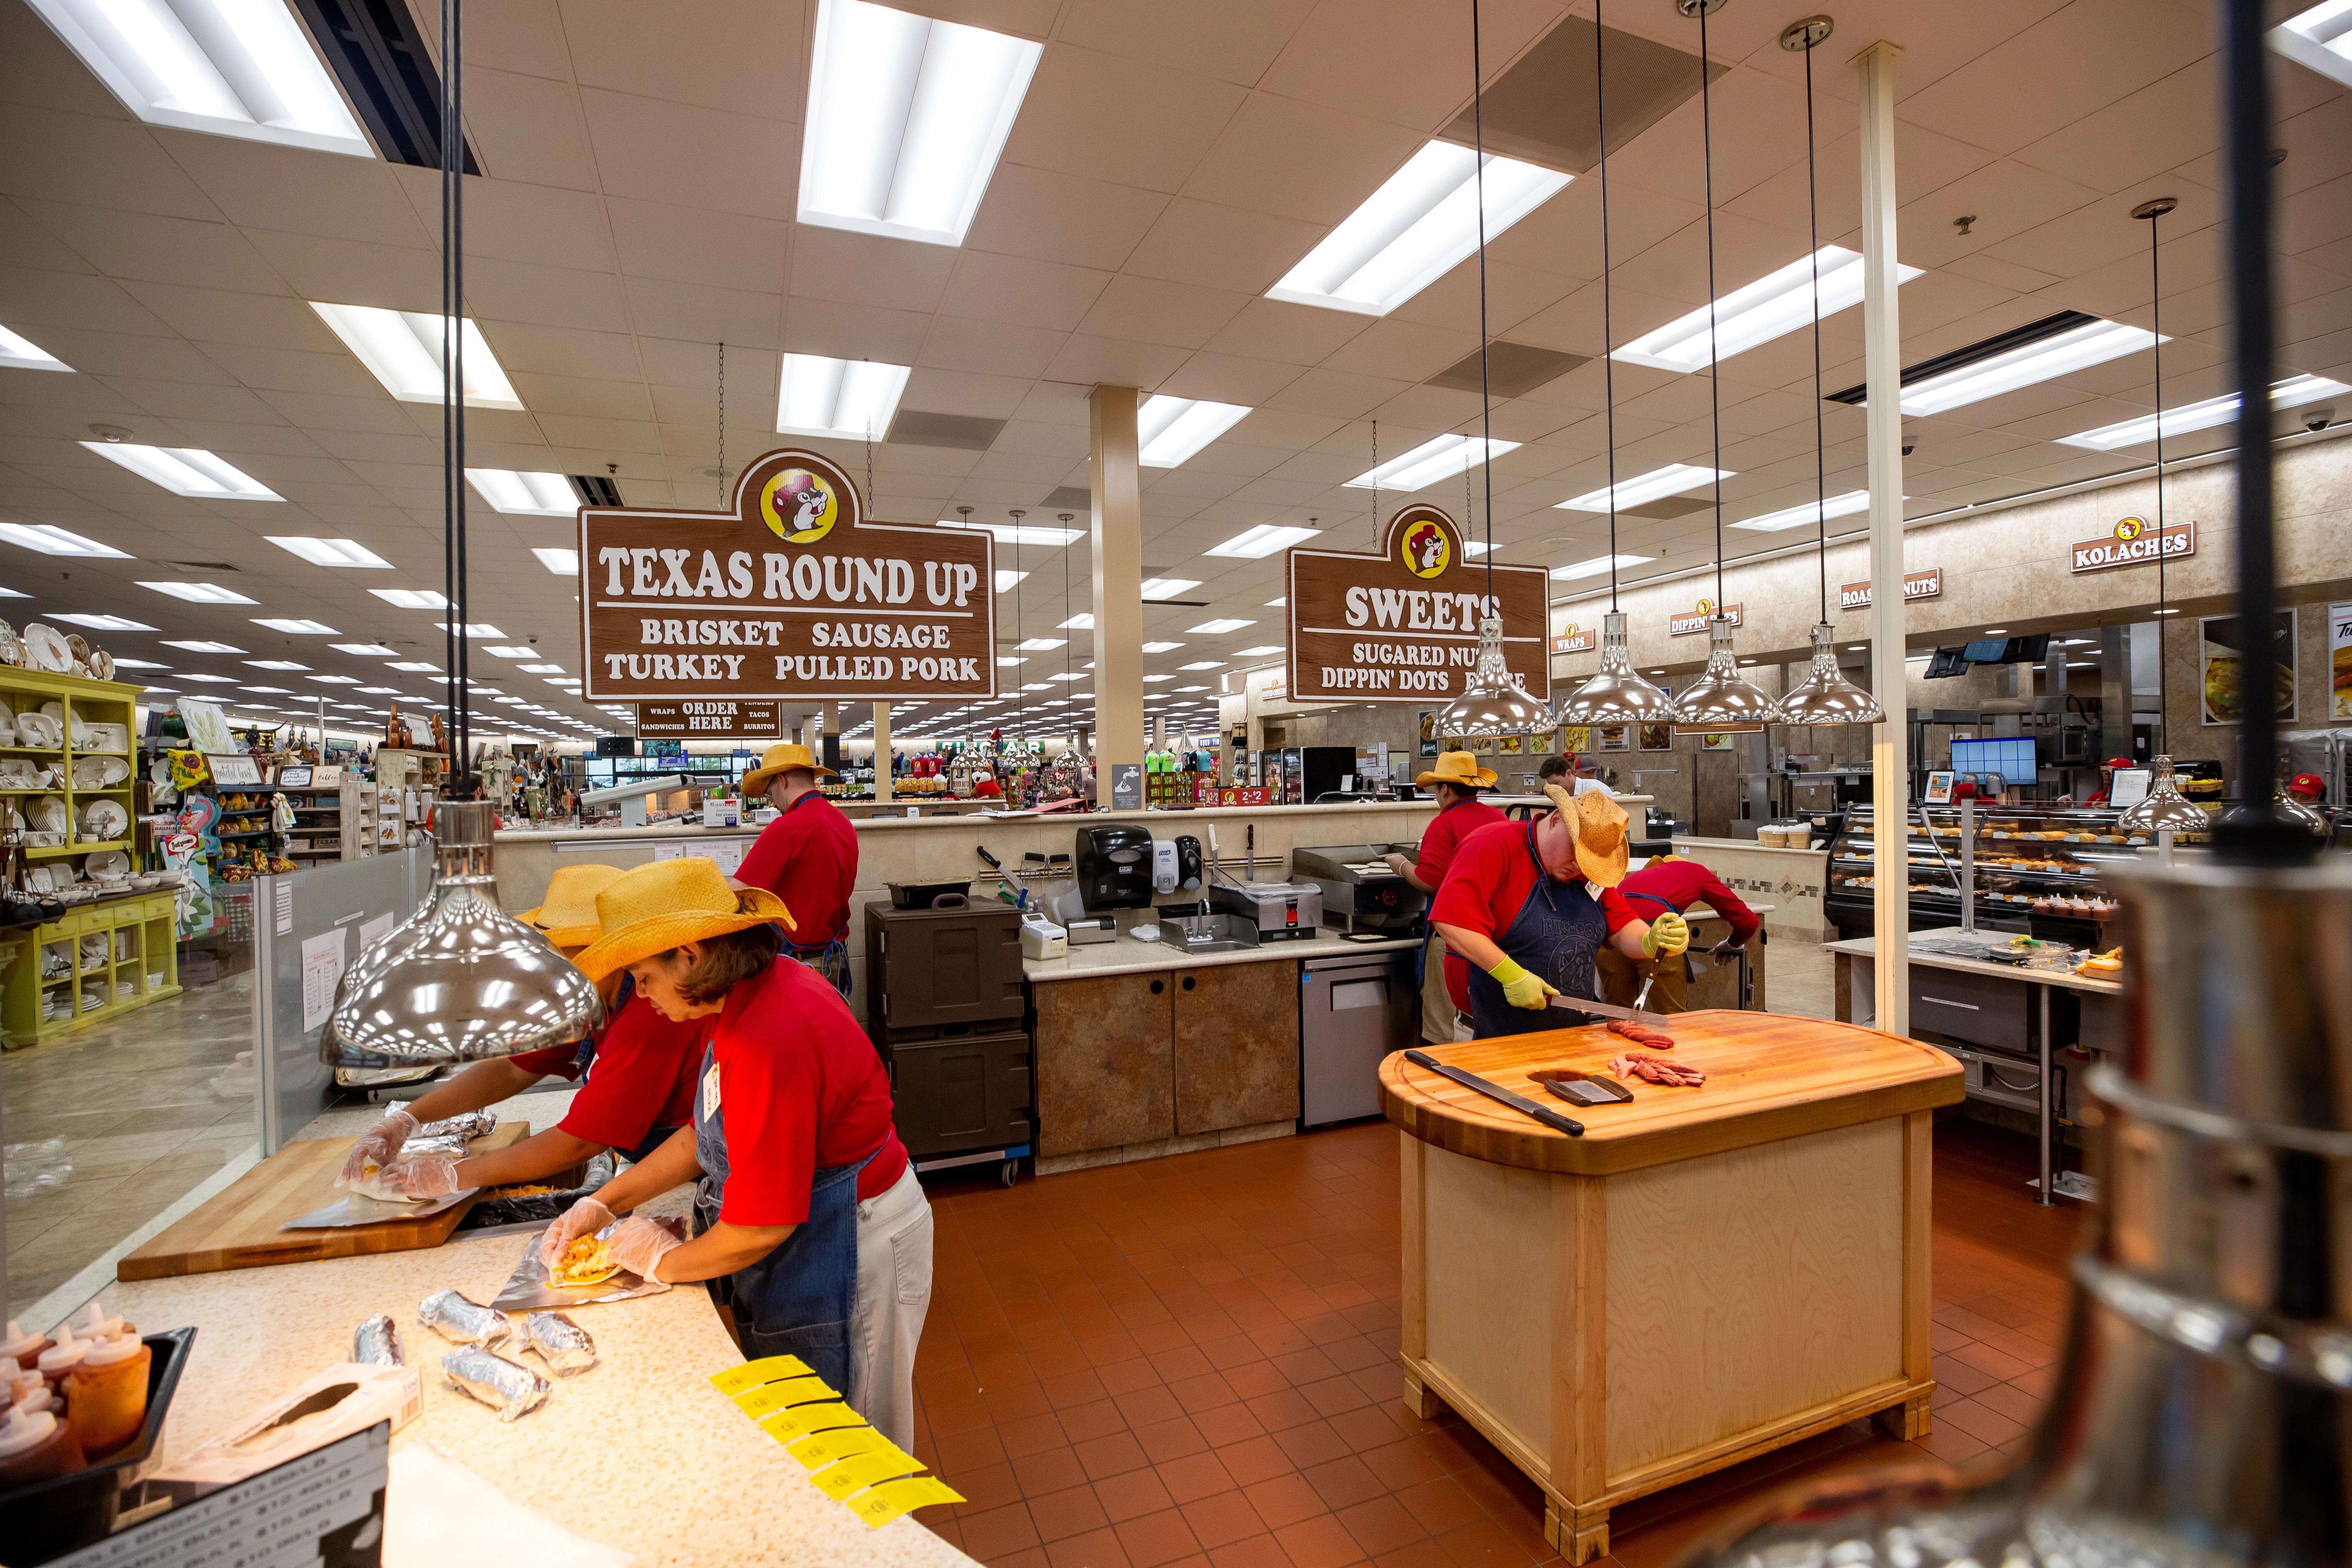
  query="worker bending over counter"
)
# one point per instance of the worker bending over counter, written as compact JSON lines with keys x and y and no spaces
{"x":1672,"y":883}
{"x":1530,"y":905}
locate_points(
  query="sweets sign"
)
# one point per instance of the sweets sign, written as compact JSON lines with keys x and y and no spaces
{"x":1402,"y":626}
{"x":793,"y":595}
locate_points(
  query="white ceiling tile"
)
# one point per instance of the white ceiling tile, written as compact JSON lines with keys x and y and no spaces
{"x":130,"y":244}
{"x":292,"y":370}
{"x":868,"y":269}
{"x":1145,"y":310}
{"x":1222,"y":247}
{"x":54,"y":157}
{"x":2041,"y":79}
{"x":526,"y":129}
{"x":354,"y":272}
{"x":1234,"y":40}
{"x":988,"y":347}
{"x":507,"y":220}
{"x":1119,"y":120}
{"x":1228,"y":378}
{"x":576,"y":395}
{"x":258,"y":184}
{"x":1402,"y":62}
{"x":1088,"y":360}
{"x":1293,"y":334}
{"x":1301,"y":161}
{"x":215,"y":315}
{"x":665,"y":310}
{"x":1022,"y":290}
{"x":568,"y":351}
{"x":1055,"y":216}
{"x":850,"y":331}
{"x":692,"y":156}
{"x":745,"y":54}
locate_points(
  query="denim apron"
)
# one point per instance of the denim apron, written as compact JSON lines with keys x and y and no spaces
{"x":1555,"y":936}
{"x":800,"y":1299}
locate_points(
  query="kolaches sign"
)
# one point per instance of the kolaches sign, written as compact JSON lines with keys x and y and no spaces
{"x":1402,"y":626}
{"x":794,"y":593}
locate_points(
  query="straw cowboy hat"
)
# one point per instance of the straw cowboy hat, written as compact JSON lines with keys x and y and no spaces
{"x":656,"y":908}
{"x":1459,"y":769}
{"x":1598,"y":824}
{"x":780,"y":759}
{"x":568,"y":917}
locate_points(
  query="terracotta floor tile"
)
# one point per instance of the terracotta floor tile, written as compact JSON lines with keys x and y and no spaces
{"x":1048,"y":1471}
{"x":1222,"y":1519}
{"x":1980,"y":1421}
{"x":1281,"y":1409}
{"x":1313,"y":1444}
{"x":2008,"y":1399}
{"x":1133,"y":1495}
{"x":1228,"y":1424}
{"x":1370,"y":1427}
{"x":984,"y":1488}
{"x":1285,"y":1500}
{"x":1205,"y":1391}
{"x":1483,"y":1544}
{"x":1334,"y":1395}
{"x":1950,"y":1371}
{"x":1999,"y":1365}
{"x":1127,"y":1376}
{"x":1256,"y":1551}
{"x":1165,"y":1440}
{"x":997,"y":1532}
{"x":1157,"y":1538}
{"x":1255,"y":1459}
{"x":1034,"y":1557}
{"x":1095,"y":1548}
{"x":1098,"y":1419}
{"x":1381,"y":1524}
{"x":2022,"y":1344}
{"x":1111,"y":1455}
{"x":2038,"y":1383}
{"x":1194,"y":1477}
{"x":1073,"y":1511}
{"x":1440,"y":1505}
{"x":1145,"y":1407}
{"x":1343,"y":1482}
{"x":1319,"y":1542}
{"x":1953,"y":1446}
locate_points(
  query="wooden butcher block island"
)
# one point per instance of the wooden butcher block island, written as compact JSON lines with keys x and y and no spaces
{"x":1706,"y":1275}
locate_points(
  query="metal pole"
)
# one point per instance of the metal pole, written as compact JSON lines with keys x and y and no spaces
{"x":1882,"y":338}
{"x":1968,"y":864}
{"x":2043,"y":1195}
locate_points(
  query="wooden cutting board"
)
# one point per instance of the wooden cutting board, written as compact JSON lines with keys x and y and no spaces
{"x":239,"y":1227}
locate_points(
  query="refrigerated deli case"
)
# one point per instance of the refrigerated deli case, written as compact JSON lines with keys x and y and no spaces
{"x":2036,"y":868}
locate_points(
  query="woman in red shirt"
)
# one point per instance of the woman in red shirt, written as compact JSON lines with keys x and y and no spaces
{"x":810,"y":1226}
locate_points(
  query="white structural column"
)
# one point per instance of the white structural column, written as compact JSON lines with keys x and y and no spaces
{"x":1118,"y":588}
{"x":1882,"y":358}
{"x":828,"y":723}
{"x":881,"y":753}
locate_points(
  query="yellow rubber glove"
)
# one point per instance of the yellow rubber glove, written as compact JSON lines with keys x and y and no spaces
{"x":1669,"y":934}
{"x":1522,"y":989}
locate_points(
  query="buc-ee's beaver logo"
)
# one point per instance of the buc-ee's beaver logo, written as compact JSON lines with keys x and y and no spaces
{"x":2130,"y":527}
{"x":799,"y":506}
{"x":1424,"y":550}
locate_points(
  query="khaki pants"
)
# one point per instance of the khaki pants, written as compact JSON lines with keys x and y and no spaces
{"x":1621,"y":977}
{"x":1436,"y":1005}
{"x":893,"y":1293}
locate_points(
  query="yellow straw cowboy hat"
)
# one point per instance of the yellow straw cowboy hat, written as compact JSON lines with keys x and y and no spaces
{"x":568,"y":916}
{"x":1459,"y":769}
{"x":656,"y":908}
{"x":1598,"y":824}
{"x":780,"y":759}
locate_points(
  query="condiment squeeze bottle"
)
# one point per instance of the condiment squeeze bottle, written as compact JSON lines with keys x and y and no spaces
{"x":62,"y":1356}
{"x":25,"y":1348}
{"x":106,"y":1395}
{"x":36,"y":1445}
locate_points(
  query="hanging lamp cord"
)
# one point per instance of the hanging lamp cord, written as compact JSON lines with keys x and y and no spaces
{"x":722,"y":425}
{"x":2156,"y":302}
{"x":453,"y":375}
{"x":1820,"y":429}
{"x":1608,"y":342}
{"x":1485,"y":391}
{"x":1714,"y":386}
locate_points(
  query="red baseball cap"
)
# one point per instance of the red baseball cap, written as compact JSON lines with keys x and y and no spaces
{"x":2308,"y":785}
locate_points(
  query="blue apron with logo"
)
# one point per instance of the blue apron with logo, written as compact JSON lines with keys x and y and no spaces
{"x":800,"y":1299}
{"x":1556,"y":934}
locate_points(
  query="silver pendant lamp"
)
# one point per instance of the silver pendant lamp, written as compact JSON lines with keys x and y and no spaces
{"x":1721,"y":700}
{"x":1824,"y":696}
{"x":2165,"y":809}
{"x":1493,"y":704}
{"x":1616,"y":694}
{"x":460,"y":981}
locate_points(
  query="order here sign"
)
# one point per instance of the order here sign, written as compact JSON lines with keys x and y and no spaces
{"x":794,"y":593}
{"x":1402,"y":626}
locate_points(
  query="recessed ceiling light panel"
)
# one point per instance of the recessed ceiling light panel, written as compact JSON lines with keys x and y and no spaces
{"x":2289,"y":393}
{"x":104,"y":622}
{"x":200,"y":592}
{"x":1217,"y":627}
{"x":1597,"y":565}
{"x":1263,"y":539}
{"x":1019,"y":534}
{"x":1774,"y":305}
{"x":186,"y":471}
{"x":2320,"y":37}
{"x":402,"y":349}
{"x":846,"y":399}
{"x":411,"y":598}
{"x":1445,"y":457}
{"x":297,"y":626}
{"x":1158,"y":588}
{"x":519,"y":494}
{"x":1658,"y":483}
{"x":563,"y":562}
{"x":21,"y":353}
{"x":1171,"y":429}
{"x":1808,"y":515}
{"x":199,"y":645}
{"x":330,"y":551}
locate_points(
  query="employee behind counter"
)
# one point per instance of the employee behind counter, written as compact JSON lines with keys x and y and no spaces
{"x":1673,"y":883}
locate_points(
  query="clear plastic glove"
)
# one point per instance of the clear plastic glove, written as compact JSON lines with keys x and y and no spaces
{"x":1521,"y":989}
{"x":582,"y":1218}
{"x":638,"y":1246}
{"x":379,"y":1145}
{"x":1669,"y":934}
{"x":434,"y":1176}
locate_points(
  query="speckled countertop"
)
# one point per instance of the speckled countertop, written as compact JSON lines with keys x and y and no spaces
{"x":640,"y":1453}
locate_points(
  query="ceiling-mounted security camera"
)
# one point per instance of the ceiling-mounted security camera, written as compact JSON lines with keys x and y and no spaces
{"x":1909,"y":447}
{"x":2318,"y":419}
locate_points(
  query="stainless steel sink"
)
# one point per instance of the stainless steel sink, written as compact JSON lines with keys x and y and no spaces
{"x":1220,"y":931}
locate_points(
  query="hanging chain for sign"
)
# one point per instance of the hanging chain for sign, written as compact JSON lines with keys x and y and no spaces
{"x":723,"y":424}
{"x":1376,"y":484}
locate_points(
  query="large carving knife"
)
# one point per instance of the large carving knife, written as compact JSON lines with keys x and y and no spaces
{"x":1519,"y":1103}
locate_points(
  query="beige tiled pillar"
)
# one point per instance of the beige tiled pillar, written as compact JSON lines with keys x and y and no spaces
{"x":881,"y":753}
{"x":1118,"y":588}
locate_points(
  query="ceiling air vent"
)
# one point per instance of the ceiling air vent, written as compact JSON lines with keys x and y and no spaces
{"x":1070,"y":498}
{"x":203,"y":566}
{"x":387,"y":70}
{"x":963,"y":432}
{"x":595,"y":489}
{"x":1542,"y":108}
{"x":1515,"y":369}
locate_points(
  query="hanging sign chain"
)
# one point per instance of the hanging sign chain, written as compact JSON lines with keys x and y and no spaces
{"x":723,"y":424}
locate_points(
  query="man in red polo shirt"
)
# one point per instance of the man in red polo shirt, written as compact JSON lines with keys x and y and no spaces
{"x":1455,"y":781}
{"x":807,"y":857}
{"x":1672,"y":883}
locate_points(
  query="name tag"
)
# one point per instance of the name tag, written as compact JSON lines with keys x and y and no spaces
{"x":710,"y":1092}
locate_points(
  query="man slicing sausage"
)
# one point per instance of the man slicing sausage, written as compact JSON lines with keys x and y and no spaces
{"x":1455,"y":781}
{"x":1531,"y":904}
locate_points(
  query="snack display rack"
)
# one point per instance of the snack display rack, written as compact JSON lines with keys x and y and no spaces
{"x":2033,"y":863}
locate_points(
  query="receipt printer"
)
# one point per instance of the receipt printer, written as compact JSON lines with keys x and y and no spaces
{"x":1115,"y":865}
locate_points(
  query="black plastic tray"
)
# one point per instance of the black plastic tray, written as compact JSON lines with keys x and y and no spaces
{"x":46,"y":1519}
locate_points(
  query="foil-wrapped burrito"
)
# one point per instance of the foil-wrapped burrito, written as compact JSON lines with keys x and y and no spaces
{"x":463,"y":1323}
{"x":558,"y":1342}
{"x":466,"y":1124}
{"x":376,"y":1342}
{"x":508,"y":1387}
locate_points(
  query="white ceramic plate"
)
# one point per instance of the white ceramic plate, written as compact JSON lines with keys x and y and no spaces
{"x":111,"y":864}
{"x":104,"y":819}
{"x":49,"y":648}
{"x":49,"y":814}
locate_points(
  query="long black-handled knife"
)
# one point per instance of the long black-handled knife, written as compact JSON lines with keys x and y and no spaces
{"x":1519,"y":1103}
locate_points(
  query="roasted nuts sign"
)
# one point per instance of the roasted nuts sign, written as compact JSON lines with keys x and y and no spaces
{"x":793,"y":595}
{"x":1402,"y":626}
{"x":2133,"y":542}
{"x":715,"y":718}
{"x":1927,"y":584}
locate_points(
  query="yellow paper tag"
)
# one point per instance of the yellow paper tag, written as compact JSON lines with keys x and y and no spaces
{"x":756,"y":1402}
{"x":752,"y":1373}
{"x":877,"y":1506}
{"x":854,"y":1475}
{"x":800,"y":1420}
{"x":822,"y":1448}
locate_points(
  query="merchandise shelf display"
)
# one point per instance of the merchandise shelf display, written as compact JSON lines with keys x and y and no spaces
{"x":2035,"y":863}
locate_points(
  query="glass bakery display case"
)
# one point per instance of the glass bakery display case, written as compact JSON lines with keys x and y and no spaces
{"x":2036,"y":868}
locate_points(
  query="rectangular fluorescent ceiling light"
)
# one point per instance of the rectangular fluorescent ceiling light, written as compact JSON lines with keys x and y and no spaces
{"x":1156,"y":588}
{"x":1161,"y":647}
{"x":268,"y":690}
{"x":212,"y":679}
{"x":1597,"y":565}
{"x":1442,"y":458}
{"x":333,"y":679}
{"x":332,"y":552}
{"x":1217,"y":627}
{"x":1171,"y":429}
{"x":473,"y":629}
{"x":273,"y":664}
{"x":1018,"y":533}
{"x":563,"y":562}
{"x":1263,"y":648}
{"x":1807,"y":515}
{"x":525,"y":495}
{"x":402,"y":349}
{"x":1203,"y":664}
{"x":1191,"y":688}
{"x":2320,"y":37}
{"x":1263,"y":541}
{"x":297,"y":626}
{"x":202,"y":647}
{"x":1009,"y":663}
{"x":1655,"y":485}
{"x":20,"y":354}
{"x":2289,"y":393}
{"x":905,"y":120}
{"x":232,"y":68}
{"x":104,"y":622}
{"x":1282,"y":602}
{"x":186,"y":471}
{"x":1774,"y":305}
{"x":138,"y":664}
{"x":1039,"y":644}
{"x":415,"y":668}
{"x":513,"y":650}
{"x":848,"y":399}
{"x":360,"y":649}
{"x":2050,"y":348}
{"x":381,"y":690}
{"x":1414,"y":229}
{"x":1083,"y":621}
{"x":412,"y":598}
{"x":200,"y":592}
{"x":1151,"y":677}
{"x":1006,"y":577}
{"x":542,"y":669}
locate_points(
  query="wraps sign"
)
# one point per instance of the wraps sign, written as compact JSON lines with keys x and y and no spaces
{"x":793,"y":595}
